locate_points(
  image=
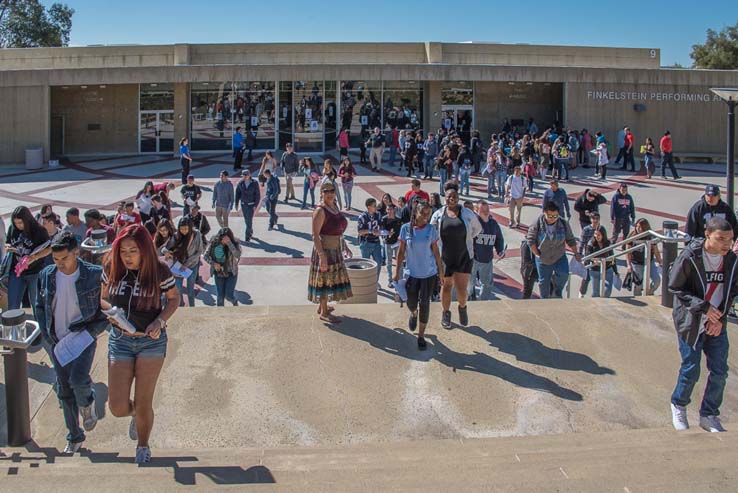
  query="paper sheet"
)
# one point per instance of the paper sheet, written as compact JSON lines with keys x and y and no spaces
{"x":72,"y":346}
{"x":180,"y":270}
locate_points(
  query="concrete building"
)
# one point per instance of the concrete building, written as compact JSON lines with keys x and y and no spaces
{"x":143,"y":99}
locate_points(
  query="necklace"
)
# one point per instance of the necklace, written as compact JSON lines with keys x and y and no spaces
{"x":333,"y":209}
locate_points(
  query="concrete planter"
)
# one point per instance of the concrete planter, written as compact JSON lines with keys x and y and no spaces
{"x":363,"y":275}
{"x":34,"y":158}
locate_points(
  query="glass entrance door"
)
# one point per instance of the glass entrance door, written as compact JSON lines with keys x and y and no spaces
{"x":308,"y":100}
{"x":156,"y":131}
{"x":459,"y":118}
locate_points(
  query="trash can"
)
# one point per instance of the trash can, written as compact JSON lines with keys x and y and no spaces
{"x":34,"y":158}
{"x":363,"y":275}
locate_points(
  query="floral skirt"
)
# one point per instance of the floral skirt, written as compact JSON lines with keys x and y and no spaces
{"x":333,"y":283}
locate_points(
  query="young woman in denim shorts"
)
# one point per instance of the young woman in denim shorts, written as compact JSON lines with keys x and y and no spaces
{"x":136,"y":281}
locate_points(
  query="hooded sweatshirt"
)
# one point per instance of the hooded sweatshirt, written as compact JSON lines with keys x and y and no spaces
{"x":701,"y":212}
{"x":582,"y":206}
{"x":689,"y":282}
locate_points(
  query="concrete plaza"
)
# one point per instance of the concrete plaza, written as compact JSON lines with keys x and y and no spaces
{"x":274,"y":265}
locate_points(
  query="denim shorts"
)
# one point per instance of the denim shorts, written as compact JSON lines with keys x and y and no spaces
{"x":122,"y":347}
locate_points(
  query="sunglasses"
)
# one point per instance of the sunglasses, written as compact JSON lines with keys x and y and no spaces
{"x":329,"y":190}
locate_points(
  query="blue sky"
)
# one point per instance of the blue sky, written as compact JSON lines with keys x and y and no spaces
{"x":674,"y":26}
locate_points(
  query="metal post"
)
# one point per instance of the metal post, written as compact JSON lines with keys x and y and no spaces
{"x":668,"y":255}
{"x":647,"y":267}
{"x":16,"y":398}
{"x":731,"y":150}
{"x":603,"y":272}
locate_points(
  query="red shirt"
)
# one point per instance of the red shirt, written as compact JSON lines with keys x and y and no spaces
{"x":665,"y":143}
{"x":628,"y":140}
{"x":420,"y":193}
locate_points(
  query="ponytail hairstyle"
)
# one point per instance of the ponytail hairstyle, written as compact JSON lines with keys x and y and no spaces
{"x":149,"y":277}
{"x":418,"y":207}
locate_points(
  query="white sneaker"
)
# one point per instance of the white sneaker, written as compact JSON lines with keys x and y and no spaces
{"x":72,"y":448}
{"x":711,"y":424}
{"x":679,"y":417}
{"x":581,"y":296}
{"x":132,"y":430}
{"x":89,"y":417}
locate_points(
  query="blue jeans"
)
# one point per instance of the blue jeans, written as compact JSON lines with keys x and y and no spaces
{"x":248,"y":219}
{"x":557,"y":272}
{"x":179,"y":281}
{"x":464,"y":179}
{"x":716,"y":353}
{"x":562,"y":166}
{"x":442,"y":176}
{"x":374,"y":251}
{"x":225,"y":289}
{"x":17,"y":287}
{"x":271,"y":206}
{"x":392,"y":155}
{"x":490,"y":185}
{"x":305,"y":190}
{"x":501,"y":177}
{"x":74,"y":389}
{"x":485,"y":270}
{"x":596,"y":277}
{"x":389,"y":250}
{"x":347,"y":189}
{"x":428,"y":162}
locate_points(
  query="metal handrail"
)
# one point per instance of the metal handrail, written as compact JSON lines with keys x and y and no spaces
{"x":681,"y":236}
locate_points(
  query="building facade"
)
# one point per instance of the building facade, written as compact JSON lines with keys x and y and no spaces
{"x":143,"y":99}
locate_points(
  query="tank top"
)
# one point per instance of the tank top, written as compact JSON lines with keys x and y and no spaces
{"x":334,"y":224}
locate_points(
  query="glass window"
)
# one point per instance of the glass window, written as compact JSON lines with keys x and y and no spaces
{"x":457,"y":93}
{"x":331,"y":114}
{"x":307,"y":103}
{"x":403,"y":105}
{"x":360,"y":108}
{"x":254,"y":108}
{"x":211,"y":120}
{"x":156,"y":97}
{"x":285,"y":113}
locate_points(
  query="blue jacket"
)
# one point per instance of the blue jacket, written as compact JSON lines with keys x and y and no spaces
{"x":560,"y":199}
{"x":88,"y":293}
{"x":273,"y":189}
{"x":622,"y":206}
{"x":248,"y":193}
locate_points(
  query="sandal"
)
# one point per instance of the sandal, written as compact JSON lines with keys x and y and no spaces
{"x":330,"y":319}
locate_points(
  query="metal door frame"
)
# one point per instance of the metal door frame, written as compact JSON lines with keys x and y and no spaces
{"x":158,"y":130}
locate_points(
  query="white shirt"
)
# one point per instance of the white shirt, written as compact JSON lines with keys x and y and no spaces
{"x":517,"y":186}
{"x":715,"y":275}
{"x":65,"y":304}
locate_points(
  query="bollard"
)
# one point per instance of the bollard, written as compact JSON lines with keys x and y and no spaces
{"x":16,"y":398}
{"x":668,"y":256}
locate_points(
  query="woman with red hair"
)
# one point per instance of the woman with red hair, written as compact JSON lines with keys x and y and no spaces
{"x":136,"y":281}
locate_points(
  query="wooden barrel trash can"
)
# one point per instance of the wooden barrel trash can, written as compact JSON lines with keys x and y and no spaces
{"x":363,"y":275}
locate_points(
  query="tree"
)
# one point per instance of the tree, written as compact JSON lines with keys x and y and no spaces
{"x":28,"y":24}
{"x":720,"y":50}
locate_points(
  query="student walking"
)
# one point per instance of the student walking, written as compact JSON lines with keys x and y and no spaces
{"x":636,"y":260}
{"x":347,"y":173}
{"x":272,"y":197}
{"x":485,"y":244}
{"x":248,"y":195}
{"x":649,"y":155}
{"x":187,"y":248}
{"x":457,"y":227}
{"x":515,"y":188}
{"x":419,"y":246}
{"x":328,"y":280}
{"x":310,"y":180}
{"x":704,"y":283}
{"x":368,"y":230}
{"x":390,"y":226}
{"x":599,"y":242}
{"x":667,"y":156}
{"x":70,"y":307}
{"x":238,"y":149}
{"x":185,"y":159}
{"x":223,"y":255}
{"x":139,"y":284}
{"x":622,"y":212}
{"x":223,"y":199}
{"x":290,"y":165}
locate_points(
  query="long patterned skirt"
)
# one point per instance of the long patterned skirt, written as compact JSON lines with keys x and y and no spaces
{"x":333,"y":283}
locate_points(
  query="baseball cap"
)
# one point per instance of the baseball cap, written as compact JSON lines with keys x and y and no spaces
{"x":712,"y":190}
{"x":246,"y":173}
{"x":190,"y":177}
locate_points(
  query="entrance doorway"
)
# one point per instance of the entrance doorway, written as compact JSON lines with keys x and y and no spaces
{"x":460,"y":118}
{"x":156,"y":131}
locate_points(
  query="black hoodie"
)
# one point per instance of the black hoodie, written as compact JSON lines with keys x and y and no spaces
{"x":687,"y":283}
{"x":701,"y":211}
{"x":582,"y":206}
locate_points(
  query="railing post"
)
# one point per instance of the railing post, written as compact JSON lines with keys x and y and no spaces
{"x":647,"y":267}
{"x":668,"y":256}
{"x":603,"y":271}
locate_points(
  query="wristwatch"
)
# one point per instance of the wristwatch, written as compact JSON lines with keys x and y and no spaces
{"x":162,"y":322}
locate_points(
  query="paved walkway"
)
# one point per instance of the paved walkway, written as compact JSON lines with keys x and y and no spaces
{"x":274,"y":266}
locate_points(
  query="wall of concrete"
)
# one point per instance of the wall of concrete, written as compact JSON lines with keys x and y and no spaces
{"x":696,"y":119}
{"x":114,"y":108}
{"x":181,"y":113}
{"x":86,"y":57}
{"x":495,"y":101}
{"x":25,"y":122}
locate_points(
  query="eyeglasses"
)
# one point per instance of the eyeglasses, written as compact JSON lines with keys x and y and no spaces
{"x":552,"y":216}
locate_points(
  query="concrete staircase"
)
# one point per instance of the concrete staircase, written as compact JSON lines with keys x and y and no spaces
{"x":632,"y":460}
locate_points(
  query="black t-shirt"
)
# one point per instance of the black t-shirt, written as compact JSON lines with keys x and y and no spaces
{"x":25,"y":245}
{"x":190,"y":192}
{"x":127,"y":293}
{"x":393,"y":226}
{"x":453,"y":236}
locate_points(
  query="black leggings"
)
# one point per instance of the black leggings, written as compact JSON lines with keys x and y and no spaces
{"x":419,"y":292}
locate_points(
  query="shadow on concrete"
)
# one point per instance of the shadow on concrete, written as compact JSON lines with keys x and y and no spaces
{"x":401,"y":343}
{"x":41,"y":373}
{"x":208,"y":295}
{"x":257,"y":244}
{"x":632,"y":301}
{"x":297,"y":234}
{"x":184,"y":475}
{"x":531,"y":351}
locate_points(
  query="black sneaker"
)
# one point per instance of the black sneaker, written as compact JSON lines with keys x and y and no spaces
{"x":412,"y":323}
{"x":463,"y":316}
{"x":446,"y":319}
{"x":421,"y":343}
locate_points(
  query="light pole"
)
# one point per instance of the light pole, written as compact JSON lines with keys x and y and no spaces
{"x":730,"y":96}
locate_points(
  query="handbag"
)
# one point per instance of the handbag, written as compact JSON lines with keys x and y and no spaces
{"x":628,"y":281}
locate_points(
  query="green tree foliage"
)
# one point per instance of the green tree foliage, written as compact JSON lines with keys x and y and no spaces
{"x":28,"y":24}
{"x":720,"y":50}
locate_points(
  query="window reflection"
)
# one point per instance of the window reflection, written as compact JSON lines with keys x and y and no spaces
{"x":403,"y":105}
